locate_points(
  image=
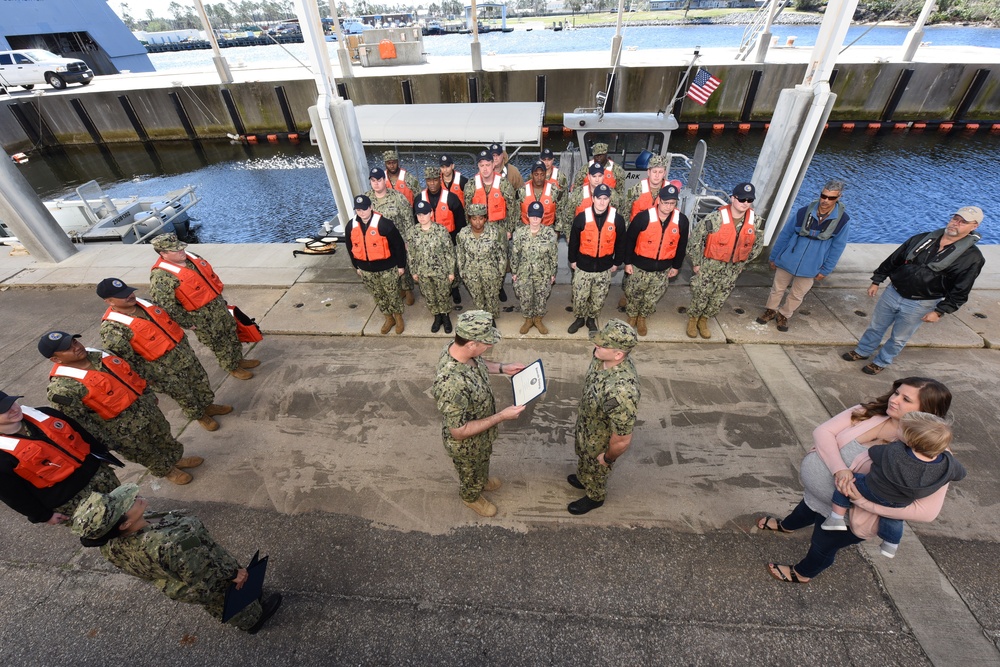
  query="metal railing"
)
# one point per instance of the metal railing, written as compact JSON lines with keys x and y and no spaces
{"x":757,"y":25}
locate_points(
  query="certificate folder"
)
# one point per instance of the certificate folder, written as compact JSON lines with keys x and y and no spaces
{"x":238,"y":600}
{"x":529,"y":384}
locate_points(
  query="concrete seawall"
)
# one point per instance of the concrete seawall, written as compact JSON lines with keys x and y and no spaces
{"x":954,"y":84}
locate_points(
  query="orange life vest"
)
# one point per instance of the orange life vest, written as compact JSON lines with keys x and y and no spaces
{"x":442,"y":213}
{"x":152,"y":338}
{"x":598,"y":243}
{"x":646,"y":200}
{"x":370,"y":247}
{"x":724,"y":246}
{"x":456,"y":180}
{"x":546,"y":199}
{"x":609,"y":174}
{"x":401,"y":186}
{"x":199,"y":285}
{"x":554,"y":178}
{"x":41,"y":463}
{"x":109,"y":392}
{"x":658,"y":243}
{"x":586,"y":202}
{"x":496,"y":205}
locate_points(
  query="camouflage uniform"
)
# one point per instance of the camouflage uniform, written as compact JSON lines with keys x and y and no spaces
{"x":384,"y":288}
{"x":463,"y":394}
{"x":616,"y":170}
{"x":513,"y":219}
{"x":534,"y":261}
{"x":394,"y":206}
{"x":715,"y":280}
{"x":565,"y":215}
{"x":178,"y":373}
{"x":410,"y":180}
{"x":643,"y":290}
{"x":431,"y":257}
{"x":213,"y":325}
{"x":483,"y":262}
{"x":140,"y":433}
{"x":609,"y":405}
{"x":104,"y":481}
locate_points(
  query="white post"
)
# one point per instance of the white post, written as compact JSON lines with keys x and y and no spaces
{"x":344,"y":58}
{"x":28,"y":218}
{"x":221,"y":65}
{"x":916,"y":35}
{"x":830,"y":39}
{"x":476,"y":47}
{"x":764,"y":39}
{"x":616,"y":41}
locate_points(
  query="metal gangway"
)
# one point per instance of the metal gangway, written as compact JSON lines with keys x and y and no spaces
{"x":760,"y":23}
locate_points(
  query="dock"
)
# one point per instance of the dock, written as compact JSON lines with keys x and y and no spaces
{"x":332,"y":464}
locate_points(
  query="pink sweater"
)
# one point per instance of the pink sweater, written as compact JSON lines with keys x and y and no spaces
{"x":829,"y":437}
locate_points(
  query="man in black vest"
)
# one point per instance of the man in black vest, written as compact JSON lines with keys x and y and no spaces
{"x":932,"y":274}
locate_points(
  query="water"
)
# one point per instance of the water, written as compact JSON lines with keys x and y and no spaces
{"x":898,"y":183}
{"x":589,"y":39}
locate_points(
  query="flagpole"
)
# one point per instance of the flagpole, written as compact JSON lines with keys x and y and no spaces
{"x":684,"y":79}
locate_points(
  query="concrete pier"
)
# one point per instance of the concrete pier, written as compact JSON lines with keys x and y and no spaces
{"x":954,"y":84}
{"x":332,"y":463}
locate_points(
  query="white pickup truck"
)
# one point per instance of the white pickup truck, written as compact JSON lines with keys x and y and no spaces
{"x":27,"y":67}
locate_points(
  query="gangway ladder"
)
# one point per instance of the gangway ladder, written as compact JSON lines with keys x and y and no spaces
{"x":757,"y":24}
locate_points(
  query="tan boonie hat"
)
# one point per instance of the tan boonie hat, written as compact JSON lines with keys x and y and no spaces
{"x":616,"y":335}
{"x":656,"y":161}
{"x":970,"y":213}
{"x":600,"y":149}
{"x":432,"y":172}
{"x":390,"y":155}
{"x":476,"y":210}
{"x":477,"y":325}
{"x":168,"y":242}
{"x":103,"y":511}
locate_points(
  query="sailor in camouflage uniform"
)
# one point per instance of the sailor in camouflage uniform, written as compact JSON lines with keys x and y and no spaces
{"x":431,"y":257}
{"x":464,"y":397}
{"x":600,"y":153}
{"x":176,"y":554}
{"x":553,"y":174}
{"x":607,"y":413}
{"x":176,"y":371}
{"x":212,"y":322}
{"x":482,"y":259}
{"x":720,"y":248}
{"x":378,"y":254}
{"x":581,"y":198}
{"x":533,"y":260}
{"x":480,"y":190}
{"x":133,"y":425}
{"x":400,"y":180}
{"x":392,"y":205}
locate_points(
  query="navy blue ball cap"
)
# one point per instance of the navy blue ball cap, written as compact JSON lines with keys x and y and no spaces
{"x":7,"y":401}
{"x":669,"y":191}
{"x":744,"y":191}
{"x":113,"y":288}
{"x":602,"y":191}
{"x":362,"y":203}
{"x":595,"y":169}
{"x":535,"y":210}
{"x":538,"y":165}
{"x":446,"y":161}
{"x":484,"y":156}
{"x":423,"y":207}
{"x":55,"y":341}
{"x":496,"y":149}
{"x":376,"y":173}
{"x":547,"y":154}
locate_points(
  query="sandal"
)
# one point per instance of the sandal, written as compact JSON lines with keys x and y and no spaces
{"x":792,"y":577}
{"x":764,"y":523}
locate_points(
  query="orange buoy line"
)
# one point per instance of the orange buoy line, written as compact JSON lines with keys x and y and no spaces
{"x":844,"y":126}
{"x":274,"y":138}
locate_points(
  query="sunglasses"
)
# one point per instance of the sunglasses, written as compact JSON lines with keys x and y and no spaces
{"x":744,"y":201}
{"x":829,"y":197}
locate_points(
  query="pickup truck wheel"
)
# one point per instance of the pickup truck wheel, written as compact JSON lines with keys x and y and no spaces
{"x":29,"y":86}
{"x":55,"y":81}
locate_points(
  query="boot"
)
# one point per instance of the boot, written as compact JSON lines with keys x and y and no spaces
{"x":387,"y":325}
{"x":631,"y":321}
{"x":249,"y":363}
{"x":577,"y":323}
{"x":215,"y":409}
{"x":542,"y":329}
{"x":408,"y":297}
{"x":241,"y":374}
{"x":640,"y":326}
{"x":622,"y":302}
{"x":456,"y":296}
{"x":178,"y":476}
{"x":492,"y":484}
{"x":270,"y":605}
{"x":189,"y":462}
{"x":398,"y":318}
{"x":482,"y":507}
{"x":692,"y":330}
{"x":766,"y":316}
{"x":526,"y":327}
{"x":503,"y":294}
{"x":703,"y":327}
{"x":446,"y":322}
{"x":437,"y":324}
{"x":583,"y":505}
{"x":208,"y":423}
{"x":591,"y":325}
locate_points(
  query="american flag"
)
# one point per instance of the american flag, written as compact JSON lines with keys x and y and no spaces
{"x":703,"y":86}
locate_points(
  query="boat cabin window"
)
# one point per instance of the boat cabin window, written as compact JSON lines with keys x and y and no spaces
{"x":625,"y":147}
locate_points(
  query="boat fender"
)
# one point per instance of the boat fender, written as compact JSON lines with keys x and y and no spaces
{"x":19,"y":158}
{"x":386,"y":49}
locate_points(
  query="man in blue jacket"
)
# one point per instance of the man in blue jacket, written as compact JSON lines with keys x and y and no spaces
{"x":805,"y":252}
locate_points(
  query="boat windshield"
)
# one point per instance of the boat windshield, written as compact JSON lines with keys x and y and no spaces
{"x":625,"y":147}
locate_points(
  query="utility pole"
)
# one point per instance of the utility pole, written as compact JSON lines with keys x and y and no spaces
{"x":221,"y":65}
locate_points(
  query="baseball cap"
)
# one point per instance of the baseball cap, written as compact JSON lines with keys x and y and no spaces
{"x":602,"y":191}
{"x":615,"y":335}
{"x":7,"y":401}
{"x":477,"y":325}
{"x":55,"y":341}
{"x":476,"y":210}
{"x":970,"y":213}
{"x":744,"y":191}
{"x":595,"y":169}
{"x":538,"y":165}
{"x":656,"y":161}
{"x":362,"y":203}
{"x":423,"y":207}
{"x":496,"y":149}
{"x":447,"y":161}
{"x":101,"y":512}
{"x":484,"y":156}
{"x":168,"y":242}
{"x":432,"y":172}
{"x":376,"y":173}
{"x":113,"y":288}
{"x":390,"y":155}
{"x":547,"y":154}
{"x":600,"y":149}
{"x":668,"y":191}
{"x":535,"y":210}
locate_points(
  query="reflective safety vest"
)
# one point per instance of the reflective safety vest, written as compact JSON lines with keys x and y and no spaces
{"x":598,"y":243}
{"x":442,"y":212}
{"x":456,"y":180}
{"x":370,"y":246}
{"x":724,"y":246}
{"x":646,"y":200}
{"x":401,"y":186}
{"x":658,"y":243}
{"x":41,"y":463}
{"x":609,"y":174}
{"x":554,"y":178}
{"x":109,"y":392}
{"x":152,"y":338}
{"x":496,"y":205}
{"x":585,"y":202}
{"x":546,"y":199}
{"x":199,"y":285}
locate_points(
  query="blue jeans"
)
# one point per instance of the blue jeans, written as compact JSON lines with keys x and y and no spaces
{"x":823,"y":548}
{"x":801,"y":517}
{"x":904,"y":316}
{"x":890,"y":530}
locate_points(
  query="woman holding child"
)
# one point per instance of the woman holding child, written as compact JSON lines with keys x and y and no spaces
{"x":840,"y":450}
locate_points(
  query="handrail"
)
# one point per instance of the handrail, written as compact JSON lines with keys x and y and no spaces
{"x":756,"y":26}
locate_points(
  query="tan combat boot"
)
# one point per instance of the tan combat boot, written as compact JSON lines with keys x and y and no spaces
{"x":408,"y":296}
{"x":387,"y":325}
{"x":208,"y":423}
{"x":249,"y":363}
{"x":703,"y":328}
{"x":178,"y":476}
{"x":692,"y":330}
{"x":640,"y":325}
{"x":189,"y":462}
{"x":217,"y":409}
{"x":622,"y":302}
{"x":526,"y":327}
{"x":241,"y":374}
{"x":398,"y":319}
{"x":540,"y":326}
{"x":492,"y":484}
{"x":482,"y":507}
{"x":631,"y":321}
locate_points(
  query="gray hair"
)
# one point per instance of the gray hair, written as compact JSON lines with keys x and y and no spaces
{"x":834,"y":185}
